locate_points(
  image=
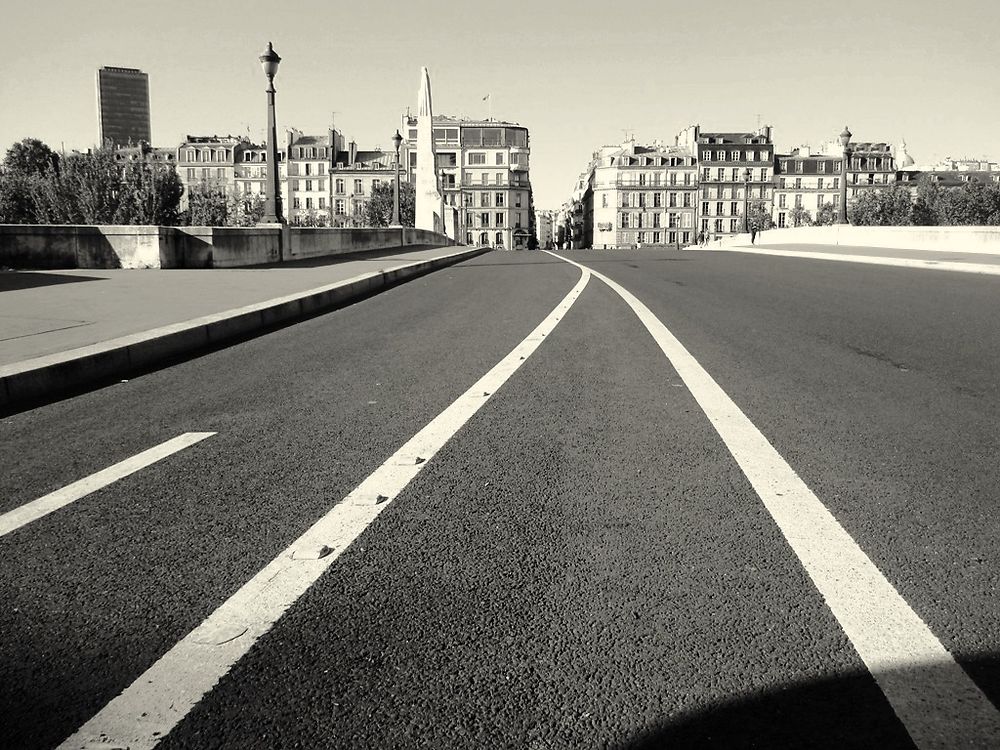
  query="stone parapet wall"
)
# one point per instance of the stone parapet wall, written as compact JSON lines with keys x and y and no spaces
{"x":965,"y":239}
{"x":43,"y":246}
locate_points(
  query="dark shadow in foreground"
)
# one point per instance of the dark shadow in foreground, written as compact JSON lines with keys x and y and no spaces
{"x":13,"y":280}
{"x":844,"y":712}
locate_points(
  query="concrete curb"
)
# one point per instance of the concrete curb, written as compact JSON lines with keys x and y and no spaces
{"x":33,"y":381}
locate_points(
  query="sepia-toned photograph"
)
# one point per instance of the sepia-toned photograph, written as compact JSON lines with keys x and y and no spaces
{"x":538,"y":375}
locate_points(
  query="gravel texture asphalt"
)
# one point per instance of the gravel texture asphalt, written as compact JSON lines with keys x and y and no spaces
{"x":582,"y":565}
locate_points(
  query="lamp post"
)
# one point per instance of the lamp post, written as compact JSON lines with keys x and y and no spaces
{"x":746,"y":196}
{"x":444,"y":224}
{"x":396,"y":140}
{"x":272,"y":201}
{"x":845,"y":141}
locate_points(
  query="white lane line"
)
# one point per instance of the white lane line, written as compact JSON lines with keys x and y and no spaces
{"x":34,"y":510}
{"x":987,"y":269}
{"x":157,"y":701}
{"x":937,"y":702}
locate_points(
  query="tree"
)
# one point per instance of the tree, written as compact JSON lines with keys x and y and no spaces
{"x":30,"y":157}
{"x":759,"y":218}
{"x":150,"y":194}
{"x":800,"y":217}
{"x":825,"y":215}
{"x":16,"y":203}
{"x":884,"y":207}
{"x":378,"y":209}
{"x":972,"y":204}
{"x":532,"y":242}
{"x":208,"y":206}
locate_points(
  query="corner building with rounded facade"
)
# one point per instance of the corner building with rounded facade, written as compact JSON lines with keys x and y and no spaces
{"x":484,"y":164}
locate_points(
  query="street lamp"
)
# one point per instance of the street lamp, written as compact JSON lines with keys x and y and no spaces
{"x":746,"y":195}
{"x":396,"y":140}
{"x":444,"y":224}
{"x":845,"y":142}
{"x":272,"y":200}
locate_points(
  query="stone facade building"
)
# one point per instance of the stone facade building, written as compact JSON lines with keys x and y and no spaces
{"x":484,"y":164}
{"x":637,"y":195}
{"x":723,"y":159}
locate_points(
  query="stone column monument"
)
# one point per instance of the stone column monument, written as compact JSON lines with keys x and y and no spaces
{"x":428,"y":197}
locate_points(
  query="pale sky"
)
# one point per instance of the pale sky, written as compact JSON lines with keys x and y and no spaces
{"x":576,"y":74}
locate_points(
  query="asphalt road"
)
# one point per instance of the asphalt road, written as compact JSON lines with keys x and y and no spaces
{"x":582,"y":565}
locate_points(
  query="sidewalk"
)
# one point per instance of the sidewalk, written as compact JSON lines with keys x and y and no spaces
{"x":64,"y":330}
{"x":982,"y":262}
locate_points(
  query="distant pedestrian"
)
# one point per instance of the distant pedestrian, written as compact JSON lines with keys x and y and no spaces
{"x":701,"y":239}
{"x":753,"y":234}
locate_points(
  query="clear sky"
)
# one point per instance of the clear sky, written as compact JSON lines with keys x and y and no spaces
{"x":576,"y":73}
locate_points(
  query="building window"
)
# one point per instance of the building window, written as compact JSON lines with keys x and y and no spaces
{"x":781,"y":200}
{"x":656,"y":237}
{"x":484,"y":219}
{"x":721,"y":172}
{"x":718,"y":209}
{"x":821,"y":166}
{"x":736,"y":174}
{"x":656,"y":219}
{"x":798,"y":166}
{"x":687,"y":200}
{"x":704,"y":208}
{"x":340,"y":187}
{"x":484,"y":200}
{"x":672,"y":221}
{"x":734,"y":208}
{"x":642,"y":237}
{"x":836,"y":183}
{"x":604,"y":200}
{"x":624,"y":221}
{"x":296,"y":203}
{"x":309,"y":202}
{"x":798,"y":183}
{"x":499,"y":199}
{"x":309,"y":184}
{"x":798,"y":200}
{"x":484,"y":178}
{"x":499,"y":239}
{"x":322,"y":203}
{"x":499,"y":219}
{"x":499,"y":158}
{"x":476,"y":158}
{"x":517,"y":200}
{"x":819,"y":183}
{"x":781,"y":218}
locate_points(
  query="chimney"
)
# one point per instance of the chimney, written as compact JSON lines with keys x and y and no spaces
{"x":352,"y":153}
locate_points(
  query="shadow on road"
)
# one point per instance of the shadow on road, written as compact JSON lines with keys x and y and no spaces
{"x":844,"y":712}
{"x":13,"y":280}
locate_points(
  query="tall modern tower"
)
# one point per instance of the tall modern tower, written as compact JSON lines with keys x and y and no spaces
{"x":122,"y":106}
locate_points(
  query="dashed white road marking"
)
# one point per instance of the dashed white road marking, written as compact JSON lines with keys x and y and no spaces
{"x":937,"y":702}
{"x":34,"y":510}
{"x":987,"y":269}
{"x":157,"y":701}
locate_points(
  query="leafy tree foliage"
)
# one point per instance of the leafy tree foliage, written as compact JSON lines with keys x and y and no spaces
{"x":800,"y":217}
{"x":209,"y":205}
{"x":825,"y":215}
{"x":884,"y":207}
{"x":378,"y":210}
{"x":92,"y":188}
{"x":30,"y":157}
{"x":758,"y":217}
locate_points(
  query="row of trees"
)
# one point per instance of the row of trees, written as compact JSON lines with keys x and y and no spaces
{"x":972,"y":204}
{"x":38,"y":186}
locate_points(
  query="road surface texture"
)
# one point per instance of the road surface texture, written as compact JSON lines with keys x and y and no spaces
{"x":590,"y":547}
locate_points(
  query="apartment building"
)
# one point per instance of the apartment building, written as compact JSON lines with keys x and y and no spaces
{"x":806,"y":181}
{"x":309,"y":160}
{"x":638,"y":195}
{"x":483,"y":168}
{"x":730,"y":164}
{"x":354,"y":175}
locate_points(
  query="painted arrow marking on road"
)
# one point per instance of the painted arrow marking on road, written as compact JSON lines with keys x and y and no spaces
{"x":36,"y":509}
